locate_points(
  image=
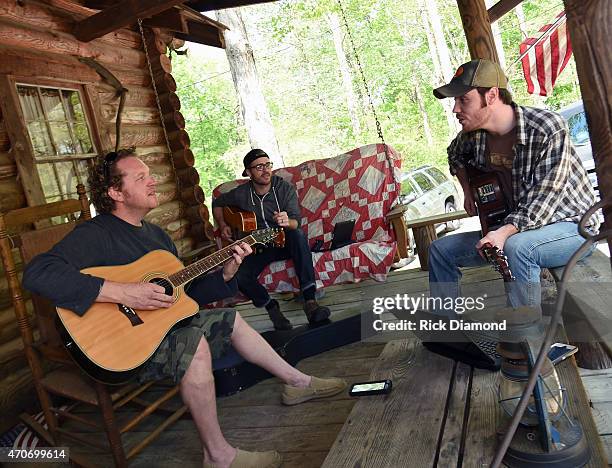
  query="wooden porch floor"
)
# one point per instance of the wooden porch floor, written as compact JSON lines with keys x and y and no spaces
{"x":255,"y":419}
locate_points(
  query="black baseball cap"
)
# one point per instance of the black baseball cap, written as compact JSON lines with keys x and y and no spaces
{"x":479,"y":73}
{"x":252,"y":156}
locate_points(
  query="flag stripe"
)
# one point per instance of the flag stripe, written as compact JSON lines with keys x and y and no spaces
{"x":545,"y":60}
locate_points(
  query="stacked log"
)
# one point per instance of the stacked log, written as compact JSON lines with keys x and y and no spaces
{"x":188,"y":179}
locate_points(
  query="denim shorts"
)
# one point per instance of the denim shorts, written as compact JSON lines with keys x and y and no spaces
{"x":174,"y":355}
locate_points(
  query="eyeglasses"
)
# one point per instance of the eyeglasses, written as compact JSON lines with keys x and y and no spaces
{"x":262,"y":166}
{"x":109,"y":160}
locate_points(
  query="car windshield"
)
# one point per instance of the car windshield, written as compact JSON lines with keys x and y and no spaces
{"x":409,"y":191}
{"x":423,"y":182}
{"x":579,"y":131}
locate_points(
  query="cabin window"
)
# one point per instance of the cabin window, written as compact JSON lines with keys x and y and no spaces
{"x":61,"y":138}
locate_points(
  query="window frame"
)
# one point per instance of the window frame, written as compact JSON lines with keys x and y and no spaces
{"x":20,"y":138}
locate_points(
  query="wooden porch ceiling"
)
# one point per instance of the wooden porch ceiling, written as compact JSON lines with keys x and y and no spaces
{"x":183,"y":17}
{"x":177,"y":16}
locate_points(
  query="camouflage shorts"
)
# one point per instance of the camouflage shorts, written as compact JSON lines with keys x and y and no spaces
{"x":172,"y":358}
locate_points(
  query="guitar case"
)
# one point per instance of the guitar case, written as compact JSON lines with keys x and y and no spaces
{"x":233,"y":374}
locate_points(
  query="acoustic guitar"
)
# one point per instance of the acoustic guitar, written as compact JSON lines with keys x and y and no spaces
{"x":244,"y":222}
{"x":492,"y":210}
{"x":489,"y":197}
{"x":111,"y":342}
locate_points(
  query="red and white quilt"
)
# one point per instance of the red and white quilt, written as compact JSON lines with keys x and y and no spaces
{"x":356,"y":185}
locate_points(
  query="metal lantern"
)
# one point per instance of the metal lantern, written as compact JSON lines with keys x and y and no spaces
{"x":546,"y":435}
{"x":514,"y":375}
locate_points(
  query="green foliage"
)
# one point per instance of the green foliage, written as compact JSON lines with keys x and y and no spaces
{"x":299,"y":72}
{"x":210,"y":109}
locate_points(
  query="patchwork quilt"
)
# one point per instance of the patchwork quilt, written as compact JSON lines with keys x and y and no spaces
{"x":360,"y":185}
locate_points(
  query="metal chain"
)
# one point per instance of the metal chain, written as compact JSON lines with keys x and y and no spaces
{"x":161,"y":117}
{"x":367,"y":89}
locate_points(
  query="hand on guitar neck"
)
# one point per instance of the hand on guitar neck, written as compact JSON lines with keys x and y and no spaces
{"x":496,"y":257}
{"x":151,"y":296}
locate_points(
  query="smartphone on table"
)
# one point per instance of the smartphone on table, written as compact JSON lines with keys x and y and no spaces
{"x":560,"y":351}
{"x":375,"y":387}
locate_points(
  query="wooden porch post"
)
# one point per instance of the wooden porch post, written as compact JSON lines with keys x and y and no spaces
{"x":477,"y":27}
{"x":589,"y":26}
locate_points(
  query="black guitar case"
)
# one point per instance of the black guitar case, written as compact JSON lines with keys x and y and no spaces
{"x":233,"y":374}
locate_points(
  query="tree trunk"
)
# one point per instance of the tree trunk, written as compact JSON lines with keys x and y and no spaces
{"x":347,"y":81}
{"x":438,"y":50}
{"x":423,"y":111}
{"x":250,"y":96}
{"x":520,"y":15}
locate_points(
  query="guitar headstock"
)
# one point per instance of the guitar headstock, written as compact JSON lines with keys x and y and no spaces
{"x":275,"y":236}
{"x":499,"y":260}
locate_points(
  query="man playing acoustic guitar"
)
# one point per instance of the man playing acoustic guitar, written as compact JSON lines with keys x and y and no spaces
{"x":274,"y":202}
{"x":544,"y":183}
{"x":123,"y":192}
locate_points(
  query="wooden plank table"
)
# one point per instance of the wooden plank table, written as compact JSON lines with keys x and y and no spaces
{"x":439,"y":413}
{"x":586,"y":312}
{"x":424,"y":232}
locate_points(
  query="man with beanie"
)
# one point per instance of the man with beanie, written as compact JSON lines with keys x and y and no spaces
{"x":275,"y":204}
{"x":540,"y":174}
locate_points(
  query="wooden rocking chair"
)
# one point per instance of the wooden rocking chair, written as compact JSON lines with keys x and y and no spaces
{"x":56,"y":378}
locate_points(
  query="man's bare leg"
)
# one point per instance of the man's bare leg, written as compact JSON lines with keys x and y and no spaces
{"x":198,"y":392}
{"x":251,"y":346}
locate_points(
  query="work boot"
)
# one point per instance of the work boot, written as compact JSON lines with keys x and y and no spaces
{"x":279,"y":321}
{"x":315,"y":313}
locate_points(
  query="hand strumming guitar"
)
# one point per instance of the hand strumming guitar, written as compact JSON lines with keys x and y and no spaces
{"x":143,"y":296}
{"x":281,"y":218}
{"x":226,"y":232}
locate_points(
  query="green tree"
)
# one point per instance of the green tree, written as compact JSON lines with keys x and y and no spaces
{"x":212,"y":117}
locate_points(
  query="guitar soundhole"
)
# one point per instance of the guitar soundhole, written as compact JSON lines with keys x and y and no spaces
{"x":169,"y":290}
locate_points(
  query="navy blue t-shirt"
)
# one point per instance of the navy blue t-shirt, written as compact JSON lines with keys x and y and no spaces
{"x":106,"y":240}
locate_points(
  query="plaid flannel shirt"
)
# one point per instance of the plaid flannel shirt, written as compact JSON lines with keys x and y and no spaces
{"x":549,"y":183}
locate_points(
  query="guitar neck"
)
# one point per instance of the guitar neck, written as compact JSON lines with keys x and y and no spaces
{"x":499,"y":260}
{"x":206,"y":264}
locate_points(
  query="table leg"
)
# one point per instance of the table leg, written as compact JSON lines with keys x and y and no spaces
{"x":423,"y":237}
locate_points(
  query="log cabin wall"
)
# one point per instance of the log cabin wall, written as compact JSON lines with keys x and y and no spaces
{"x":37,"y":47}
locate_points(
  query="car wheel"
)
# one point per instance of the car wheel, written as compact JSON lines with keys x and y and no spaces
{"x":449,"y":207}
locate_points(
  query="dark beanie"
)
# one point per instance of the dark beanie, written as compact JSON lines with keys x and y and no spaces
{"x":252,"y":156}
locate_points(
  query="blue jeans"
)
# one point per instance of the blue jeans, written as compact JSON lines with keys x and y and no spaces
{"x":528,"y":252}
{"x":297,"y":249}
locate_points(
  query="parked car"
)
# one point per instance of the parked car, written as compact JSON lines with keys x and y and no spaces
{"x":580,"y":137}
{"x":427,"y":191}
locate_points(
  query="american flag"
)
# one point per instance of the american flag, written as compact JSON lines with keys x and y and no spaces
{"x":545,"y":57}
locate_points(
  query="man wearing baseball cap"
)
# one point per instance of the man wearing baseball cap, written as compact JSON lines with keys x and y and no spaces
{"x":275,"y":204}
{"x":544,"y":183}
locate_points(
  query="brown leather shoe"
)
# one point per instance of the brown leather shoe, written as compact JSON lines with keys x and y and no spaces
{"x":279,"y":321}
{"x":318,"y":388}
{"x":316,"y":313}
{"x":244,"y":459}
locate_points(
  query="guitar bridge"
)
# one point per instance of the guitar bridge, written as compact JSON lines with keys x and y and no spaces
{"x":131,"y":314}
